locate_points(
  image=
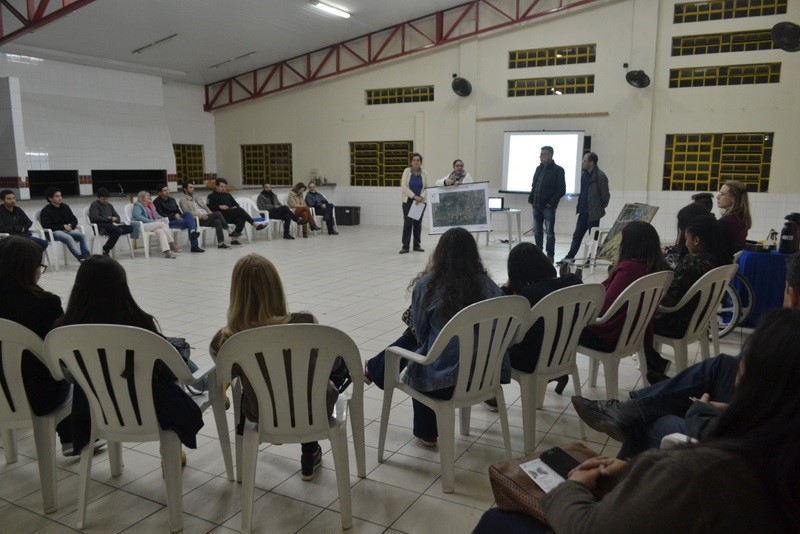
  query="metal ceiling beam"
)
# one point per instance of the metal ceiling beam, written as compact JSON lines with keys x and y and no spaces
{"x":14,"y":22}
{"x":411,"y":37}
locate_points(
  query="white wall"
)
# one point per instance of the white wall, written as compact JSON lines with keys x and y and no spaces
{"x":84,"y":118}
{"x":627,"y":125}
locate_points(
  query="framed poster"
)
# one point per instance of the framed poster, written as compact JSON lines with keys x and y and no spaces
{"x":630,"y":212}
{"x":464,"y":205}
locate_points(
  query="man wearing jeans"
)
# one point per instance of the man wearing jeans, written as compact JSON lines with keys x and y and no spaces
{"x":13,"y":220}
{"x":547,"y":189}
{"x":57,"y":217}
{"x":166,"y":206}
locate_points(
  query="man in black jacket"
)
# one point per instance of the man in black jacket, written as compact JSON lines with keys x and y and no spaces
{"x":268,"y":201}
{"x":166,"y":206}
{"x":547,"y":189}
{"x":223,"y":202}
{"x":57,"y":216}
{"x":13,"y":220}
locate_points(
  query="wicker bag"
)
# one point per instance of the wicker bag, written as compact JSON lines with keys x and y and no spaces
{"x":515,"y":491}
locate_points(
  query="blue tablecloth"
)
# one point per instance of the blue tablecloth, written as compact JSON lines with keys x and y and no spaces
{"x":766,"y":272}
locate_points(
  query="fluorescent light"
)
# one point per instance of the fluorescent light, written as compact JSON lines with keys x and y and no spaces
{"x":161,"y":41}
{"x":232,"y":60}
{"x":332,"y":10}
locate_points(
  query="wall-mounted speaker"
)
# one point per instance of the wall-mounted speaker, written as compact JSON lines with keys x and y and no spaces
{"x":786,"y":36}
{"x":461,"y":86}
{"x":637,"y":78}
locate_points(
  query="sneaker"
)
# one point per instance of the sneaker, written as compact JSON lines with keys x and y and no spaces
{"x":490,"y":404}
{"x":428,"y":442}
{"x":333,"y":232}
{"x":223,"y":245}
{"x":419,"y":249}
{"x":235,"y":242}
{"x":404,"y":250}
{"x":604,"y":416}
{"x":170,"y":255}
{"x":309,"y":463}
{"x":68,"y":450}
{"x":288,"y":236}
{"x":197,"y":249}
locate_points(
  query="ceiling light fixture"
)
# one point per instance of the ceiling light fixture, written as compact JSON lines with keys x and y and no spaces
{"x":232,"y":60}
{"x":331,"y":10}
{"x":155,"y":43}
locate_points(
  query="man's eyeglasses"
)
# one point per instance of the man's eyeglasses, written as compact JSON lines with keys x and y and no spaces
{"x":43,"y":268}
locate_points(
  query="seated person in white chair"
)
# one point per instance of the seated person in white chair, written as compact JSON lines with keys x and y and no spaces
{"x":108,"y":222}
{"x":268,"y":201}
{"x":144,"y":211}
{"x":14,"y":221}
{"x":166,"y":206}
{"x":57,"y":216}
{"x":197,"y":207}
{"x":322,"y":206}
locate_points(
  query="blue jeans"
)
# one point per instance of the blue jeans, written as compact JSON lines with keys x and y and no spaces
{"x":69,"y":239}
{"x":664,"y":405}
{"x":39,"y":241}
{"x":581,"y":227}
{"x":187,"y":222}
{"x":544,"y":218}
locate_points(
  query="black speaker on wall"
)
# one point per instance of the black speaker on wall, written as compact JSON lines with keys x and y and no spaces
{"x":786,"y":36}
{"x":637,"y":78}
{"x":461,"y":86}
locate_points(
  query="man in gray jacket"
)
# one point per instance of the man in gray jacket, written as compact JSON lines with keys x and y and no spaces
{"x":592,"y":201}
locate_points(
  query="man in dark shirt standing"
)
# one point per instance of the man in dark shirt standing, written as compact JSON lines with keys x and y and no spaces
{"x":166,"y":206}
{"x":592,"y":201}
{"x":546,"y":190}
{"x":13,"y":220}
{"x":223,"y":202}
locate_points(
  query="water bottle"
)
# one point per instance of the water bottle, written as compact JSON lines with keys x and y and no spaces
{"x":787,"y":245}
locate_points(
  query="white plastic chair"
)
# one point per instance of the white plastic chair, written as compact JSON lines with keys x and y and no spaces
{"x":597,"y":236}
{"x":96,"y":236}
{"x":110,"y":363}
{"x":484,"y":331}
{"x":259,"y":217}
{"x":288,"y":368}
{"x":708,"y":290}
{"x":563,"y":315}
{"x":144,"y":235}
{"x":713,"y":323}
{"x":640,"y":302}
{"x":15,"y":412}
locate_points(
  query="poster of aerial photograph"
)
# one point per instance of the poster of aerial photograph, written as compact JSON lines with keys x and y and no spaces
{"x":462,"y":205}
{"x":630,"y":212}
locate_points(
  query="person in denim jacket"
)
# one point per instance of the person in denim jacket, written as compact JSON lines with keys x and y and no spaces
{"x":453,"y":279}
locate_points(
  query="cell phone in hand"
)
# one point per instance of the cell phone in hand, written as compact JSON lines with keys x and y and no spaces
{"x":559,"y":461}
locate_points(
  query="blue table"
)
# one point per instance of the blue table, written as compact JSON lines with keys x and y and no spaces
{"x":766,"y":272}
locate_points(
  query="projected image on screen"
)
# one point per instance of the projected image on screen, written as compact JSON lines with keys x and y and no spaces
{"x":521,"y":157}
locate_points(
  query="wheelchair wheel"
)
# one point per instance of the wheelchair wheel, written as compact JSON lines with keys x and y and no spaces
{"x":729,"y":312}
{"x":747,"y":297}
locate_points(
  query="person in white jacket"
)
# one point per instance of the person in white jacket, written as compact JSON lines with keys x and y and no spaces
{"x":413,"y":184}
{"x":458,"y":176}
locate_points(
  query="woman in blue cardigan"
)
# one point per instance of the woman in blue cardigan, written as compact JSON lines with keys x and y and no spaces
{"x":144,"y":211}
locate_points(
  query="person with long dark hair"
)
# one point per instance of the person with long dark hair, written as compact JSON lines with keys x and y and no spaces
{"x":740,"y":477}
{"x":531,"y":275}
{"x":101,"y":295}
{"x":26,"y":303}
{"x":453,"y":279}
{"x":639,"y":255}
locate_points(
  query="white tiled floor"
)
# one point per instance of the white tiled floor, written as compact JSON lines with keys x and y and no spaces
{"x":355,"y":282}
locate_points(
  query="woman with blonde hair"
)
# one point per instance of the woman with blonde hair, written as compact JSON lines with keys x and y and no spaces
{"x":732,"y":200}
{"x":145,"y":212}
{"x":257,"y":299}
{"x":298,"y":205}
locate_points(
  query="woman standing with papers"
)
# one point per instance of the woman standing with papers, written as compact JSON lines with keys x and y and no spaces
{"x":413,"y":183}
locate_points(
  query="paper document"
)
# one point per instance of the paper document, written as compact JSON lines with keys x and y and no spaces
{"x":545,"y":478}
{"x":415,"y":212}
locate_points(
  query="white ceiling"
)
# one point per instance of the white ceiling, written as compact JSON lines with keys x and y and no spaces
{"x":105,"y":32}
